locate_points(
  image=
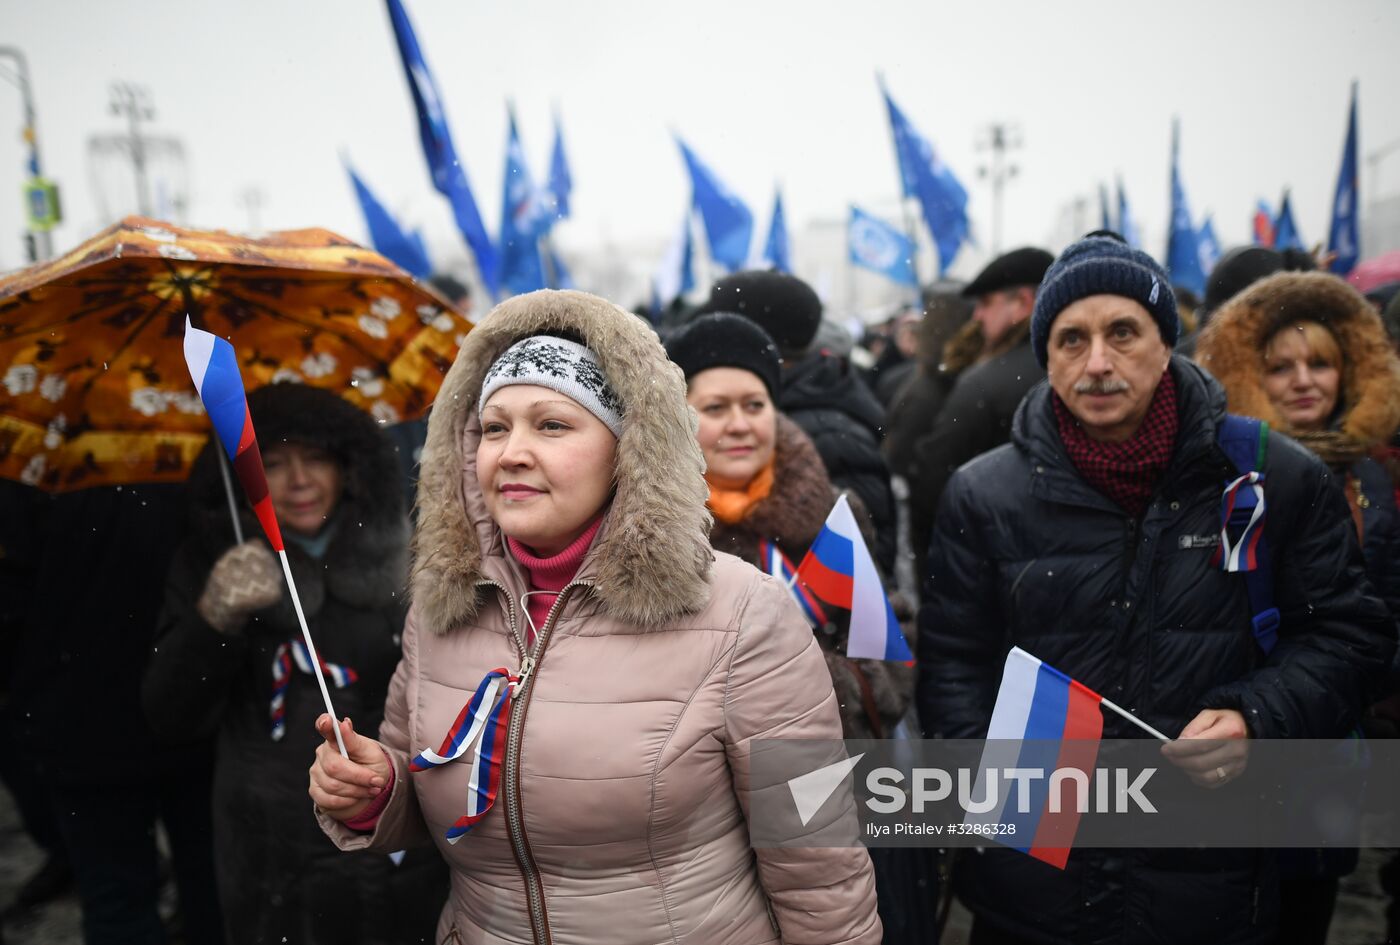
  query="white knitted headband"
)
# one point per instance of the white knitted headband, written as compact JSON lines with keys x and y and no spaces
{"x":560,"y":365}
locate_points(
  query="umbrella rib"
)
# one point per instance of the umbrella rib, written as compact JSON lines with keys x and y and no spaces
{"x":126,"y":344}
{"x":75,"y":317}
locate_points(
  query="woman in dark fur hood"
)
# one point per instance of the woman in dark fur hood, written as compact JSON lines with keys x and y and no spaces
{"x":228,"y":660}
{"x":768,"y":485}
{"x":1305,"y":352}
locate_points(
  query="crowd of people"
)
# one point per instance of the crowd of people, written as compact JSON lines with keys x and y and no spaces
{"x":550,"y":670}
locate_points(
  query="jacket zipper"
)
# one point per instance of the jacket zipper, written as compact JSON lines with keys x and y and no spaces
{"x":515,"y":730}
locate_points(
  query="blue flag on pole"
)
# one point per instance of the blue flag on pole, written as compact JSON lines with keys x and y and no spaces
{"x":561,"y":181}
{"x":449,"y":176}
{"x":924,"y":176}
{"x":526,"y":214}
{"x":1127,"y":225}
{"x":874,"y":244}
{"x":728,"y":221}
{"x":1208,"y":245}
{"x":1344,"y":237}
{"x":1285,"y":230}
{"x":775,"y":251}
{"x":386,"y":236}
{"x":1183,"y":240}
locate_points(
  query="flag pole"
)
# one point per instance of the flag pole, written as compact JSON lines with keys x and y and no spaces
{"x":228,"y":493}
{"x":311,"y":649}
{"x":1134,"y":719}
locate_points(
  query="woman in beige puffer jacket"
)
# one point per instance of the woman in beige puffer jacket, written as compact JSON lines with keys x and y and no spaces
{"x":622,"y":813}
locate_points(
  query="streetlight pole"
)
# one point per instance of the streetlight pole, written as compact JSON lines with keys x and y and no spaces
{"x":999,"y":138}
{"x":40,"y":234}
{"x":134,"y":102}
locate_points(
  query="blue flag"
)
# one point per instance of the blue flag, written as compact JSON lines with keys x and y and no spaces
{"x":1105,"y":215}
{"x":1344,"y":238}
{"x":1208,"y":245}
{"x":1127,"y":226}
{"x":385,"y":235}
{"x":449,"y":176}
{"x":676,"y":274}
{"x":1183,"y":241}
{"x":874,"y":244}
{"x":728,"y":221}
{"x":526,"y":214}
{"x":1285,"y":230}
{"x":775,"y":251}
{"x":561,"y":181}
{"x":924,"y":176}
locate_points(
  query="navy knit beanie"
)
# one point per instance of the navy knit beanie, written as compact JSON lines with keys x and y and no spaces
{"x":1103,"y":265}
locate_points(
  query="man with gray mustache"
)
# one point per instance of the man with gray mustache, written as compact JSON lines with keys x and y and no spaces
{"x":1091,"y":540}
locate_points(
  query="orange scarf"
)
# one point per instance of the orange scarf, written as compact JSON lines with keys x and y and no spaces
{"x":731,"y":505}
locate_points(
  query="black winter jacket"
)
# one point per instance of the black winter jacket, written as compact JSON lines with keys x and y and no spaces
{"x":1026,"y":553}
{"x":278,"y":874}
{"x":823,"y":395}
{"x":974,"y":417}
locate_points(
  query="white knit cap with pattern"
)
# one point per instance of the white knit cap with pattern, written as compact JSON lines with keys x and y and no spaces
{"x":560,"y":365}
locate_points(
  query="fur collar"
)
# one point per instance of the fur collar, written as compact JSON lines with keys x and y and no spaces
{"x":1232,"y":345}
{"x":651,"y":561}
{"x":792,"y":514}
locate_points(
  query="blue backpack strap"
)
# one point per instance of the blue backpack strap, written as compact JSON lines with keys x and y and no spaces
{"x":1245,"y":440}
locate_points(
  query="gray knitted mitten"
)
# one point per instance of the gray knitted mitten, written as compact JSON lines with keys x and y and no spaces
{"x":245,"y":579}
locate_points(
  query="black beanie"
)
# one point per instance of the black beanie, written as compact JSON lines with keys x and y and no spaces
{"x":782,"y":305}
{"x":1238,"y":269}
{"x":723,"y":339}
{"x":1103,"y":265}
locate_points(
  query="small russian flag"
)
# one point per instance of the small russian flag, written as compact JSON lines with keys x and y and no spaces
{"x":214,"y":369}
{"x":839,"y":570}
{"x":780,"y":566}
{"x":1042,"y":719}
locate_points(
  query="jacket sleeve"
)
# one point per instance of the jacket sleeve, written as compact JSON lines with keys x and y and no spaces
{"x":961,"y":630}
{"x":400,"y":823}
{"x":1336,"y":637}
{"x":778,"y":688}
{"x":193,"y":667}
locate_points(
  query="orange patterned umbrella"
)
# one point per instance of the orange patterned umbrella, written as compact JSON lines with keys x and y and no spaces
{"x":93,"y":384}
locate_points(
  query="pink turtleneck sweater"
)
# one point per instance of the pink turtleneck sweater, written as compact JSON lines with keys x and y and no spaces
{"x":548,"y":576}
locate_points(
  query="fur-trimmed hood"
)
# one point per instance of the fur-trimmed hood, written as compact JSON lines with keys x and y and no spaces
{"x":651,"y":560}
{"x":366,"y":560}
{"x":1232,"y":344}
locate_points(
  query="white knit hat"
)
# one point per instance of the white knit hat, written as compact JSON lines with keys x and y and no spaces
{"x":560,"y":365}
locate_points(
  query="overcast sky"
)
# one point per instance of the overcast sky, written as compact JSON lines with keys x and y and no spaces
{"x":269,"y":93}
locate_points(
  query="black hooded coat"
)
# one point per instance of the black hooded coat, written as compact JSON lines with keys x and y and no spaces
{"x":278,"y":873}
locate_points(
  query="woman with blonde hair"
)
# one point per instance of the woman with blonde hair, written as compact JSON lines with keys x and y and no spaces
{"x":583,"y":676}
{"x":1306,"y":353}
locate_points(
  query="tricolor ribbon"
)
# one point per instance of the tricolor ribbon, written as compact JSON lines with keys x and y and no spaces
{"x":295,"y":652}
{"x":479,"y":731}
{"x":1242,"y":555}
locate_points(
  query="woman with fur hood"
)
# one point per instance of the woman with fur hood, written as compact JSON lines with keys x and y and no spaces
{"x":768,"y":486}
{"x":229,"y":660}
{"x":597,"y":669}
{"x":1307,"y":353}
{"x":769,"y":492}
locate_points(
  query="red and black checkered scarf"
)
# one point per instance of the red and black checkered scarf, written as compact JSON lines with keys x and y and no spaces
{"x":1125,"y":472}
